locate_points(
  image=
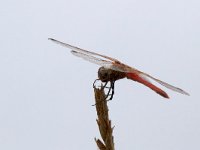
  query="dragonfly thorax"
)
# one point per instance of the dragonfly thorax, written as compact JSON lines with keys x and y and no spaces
{"x":106,"y":74}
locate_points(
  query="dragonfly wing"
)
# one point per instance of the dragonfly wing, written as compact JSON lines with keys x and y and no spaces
{"x":74,"y":48}
{"x":92,"y":59}
{"x":167,"y":85}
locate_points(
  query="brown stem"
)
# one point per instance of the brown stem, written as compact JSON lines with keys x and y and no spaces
{"x":103,"y":121}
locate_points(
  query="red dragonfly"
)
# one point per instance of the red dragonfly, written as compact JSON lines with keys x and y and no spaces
{"x":112,"y":69}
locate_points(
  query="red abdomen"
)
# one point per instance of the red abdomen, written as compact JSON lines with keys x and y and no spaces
{"x":138,"y":78}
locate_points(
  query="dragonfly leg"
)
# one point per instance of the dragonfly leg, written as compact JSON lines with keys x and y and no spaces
{"x":95,"y":82}
{"x":108,"y":93}
{"x":104,"y":86}
{"x":112,"y":90}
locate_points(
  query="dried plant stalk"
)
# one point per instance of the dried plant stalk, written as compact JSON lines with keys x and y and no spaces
{"x":103,"y":121}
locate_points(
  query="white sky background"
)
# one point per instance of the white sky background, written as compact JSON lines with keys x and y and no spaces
{"x":46,"y":93}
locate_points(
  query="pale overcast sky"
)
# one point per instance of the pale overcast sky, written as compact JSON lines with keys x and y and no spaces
{"x":46,"y":93}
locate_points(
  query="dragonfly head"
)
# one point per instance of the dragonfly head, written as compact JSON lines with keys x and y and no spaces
{"x":106,"y":74}
{"x":103,"y":74}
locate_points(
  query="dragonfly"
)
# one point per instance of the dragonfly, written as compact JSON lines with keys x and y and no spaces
{"x":112,"y":70}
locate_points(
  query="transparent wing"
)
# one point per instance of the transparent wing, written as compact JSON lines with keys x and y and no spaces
{"x":167,"y":85}
{"x":105,"y":61}
{"x":92,"y":59}
{"x":74,"y":48}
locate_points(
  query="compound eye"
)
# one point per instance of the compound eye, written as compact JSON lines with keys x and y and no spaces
{"x":105,"y":75}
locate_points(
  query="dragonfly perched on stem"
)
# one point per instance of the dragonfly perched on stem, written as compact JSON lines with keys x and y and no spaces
{"x":112,"y":69}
